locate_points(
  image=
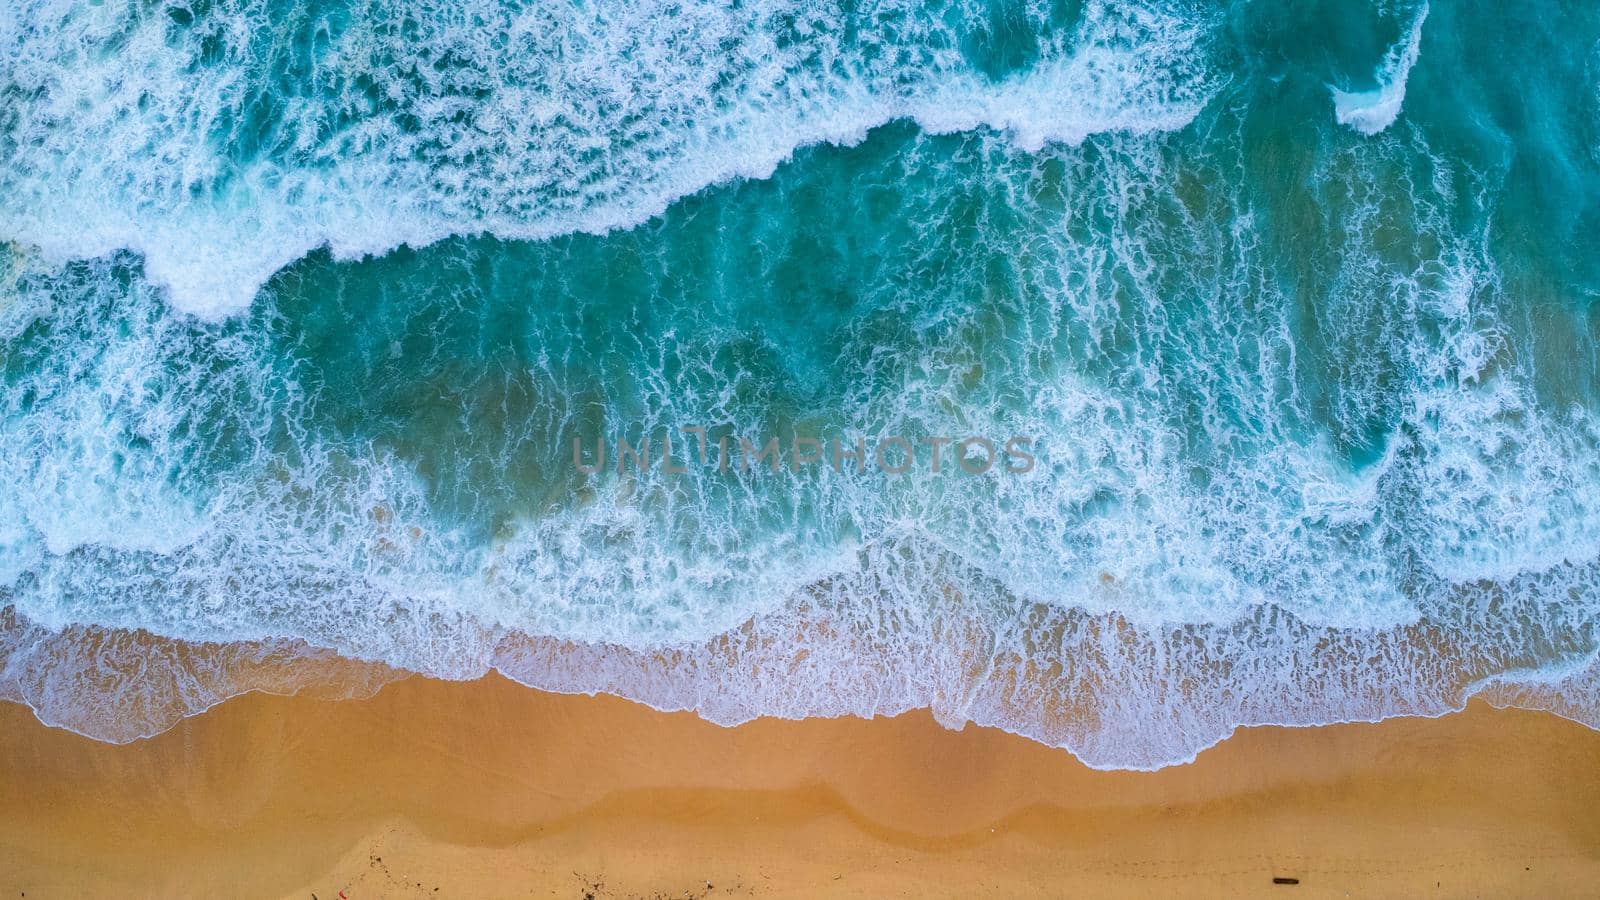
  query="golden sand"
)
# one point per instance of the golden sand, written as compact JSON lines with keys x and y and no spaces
{"x":487,"y":789}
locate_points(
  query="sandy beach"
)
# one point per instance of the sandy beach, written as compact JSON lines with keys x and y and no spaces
{"x":487,"y":789}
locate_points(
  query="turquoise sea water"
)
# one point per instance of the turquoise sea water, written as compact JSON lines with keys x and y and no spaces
{"x":303,"y":306}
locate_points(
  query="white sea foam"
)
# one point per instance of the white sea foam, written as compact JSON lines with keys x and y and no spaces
{"x":410,"y":121}
{"x":1119,"y":603}
{"x":1370,"y":112}
{"x":78,"y":678}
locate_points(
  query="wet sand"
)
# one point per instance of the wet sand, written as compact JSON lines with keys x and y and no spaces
{"x":488,"y":789}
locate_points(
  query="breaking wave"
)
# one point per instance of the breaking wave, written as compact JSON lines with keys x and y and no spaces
{"x":1312,"y":445}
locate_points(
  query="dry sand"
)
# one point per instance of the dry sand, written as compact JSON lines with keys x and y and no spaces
{"x":487,"y":789}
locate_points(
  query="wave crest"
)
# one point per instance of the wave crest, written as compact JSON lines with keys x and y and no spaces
{"x":224,"y":141}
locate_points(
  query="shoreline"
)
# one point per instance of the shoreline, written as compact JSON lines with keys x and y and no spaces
{"x":490,"y":789}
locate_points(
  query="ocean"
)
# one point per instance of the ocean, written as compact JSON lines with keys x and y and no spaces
{"x":1259,"y":341}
